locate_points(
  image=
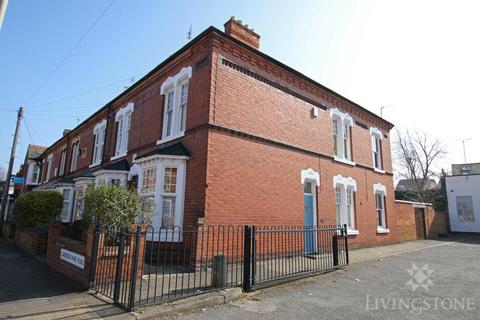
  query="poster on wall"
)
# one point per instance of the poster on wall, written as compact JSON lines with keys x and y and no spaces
{"x":465,"y":209}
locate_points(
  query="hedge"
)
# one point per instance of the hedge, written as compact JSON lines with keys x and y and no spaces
{"x":37,"y":208}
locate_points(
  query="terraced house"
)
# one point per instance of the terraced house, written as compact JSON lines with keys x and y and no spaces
{"x":221,"y":133}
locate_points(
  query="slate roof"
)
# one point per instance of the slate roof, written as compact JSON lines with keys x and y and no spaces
{"x":410,"y":184}
{"x":176,"y":149}
{"x":121,"y":165}
{"x":35,"y":151}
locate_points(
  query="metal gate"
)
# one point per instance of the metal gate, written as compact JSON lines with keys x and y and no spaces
{"x":279,"y":253}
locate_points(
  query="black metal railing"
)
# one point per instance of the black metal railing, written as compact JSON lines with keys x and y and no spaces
{"x":281,"y":252}
{"x":182,"y":262}
{"x":144,"y":265}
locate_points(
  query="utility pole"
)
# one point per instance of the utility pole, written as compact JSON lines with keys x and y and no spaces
{"x":3,"y":9}
{"x":10,"y":168}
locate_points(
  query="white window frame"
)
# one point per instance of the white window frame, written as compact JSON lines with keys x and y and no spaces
{"x":123,"y":117}
{"x":68,"y":201}
{"x":146,"y":193}
{"x":345,"y":212}
{"x":169,"y":195}
{"x":344,"y":123}
{"x":31,"y":173}
{"x":78,"y":201}
{"x":63,"y":161}
{"x":49,"y":167}
{"x":35,"y":180}
{"x":169,"y":113}
{"x":161,"y":162}
{"x":380,"y":190}
{"x":75,"y":153}
{"x":99,"y":143}
{"x":376,"y":142}
{"x":108,"y":176}
{"x":182,"y":104}
{"x":173,"y":85}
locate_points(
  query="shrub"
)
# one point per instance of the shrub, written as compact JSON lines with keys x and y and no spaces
{"x":37,"y":208}
{"x":110,"y":205}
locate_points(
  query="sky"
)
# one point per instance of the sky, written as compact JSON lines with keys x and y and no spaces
{"x":420,"y":60}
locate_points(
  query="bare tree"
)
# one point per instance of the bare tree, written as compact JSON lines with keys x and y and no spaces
{"x":416,"y":155}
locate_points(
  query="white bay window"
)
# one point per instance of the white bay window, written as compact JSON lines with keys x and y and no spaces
{"x":162,"y":177}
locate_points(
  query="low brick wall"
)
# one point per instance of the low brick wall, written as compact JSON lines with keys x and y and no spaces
{"x":106,"y":258}
{"x":56,"y":243}
{"x":412,"y":224}
{"x":32,"y":241}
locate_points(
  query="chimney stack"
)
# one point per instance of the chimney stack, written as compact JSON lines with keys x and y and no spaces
{"x":66,"y":131}
{"x":239,"y":31}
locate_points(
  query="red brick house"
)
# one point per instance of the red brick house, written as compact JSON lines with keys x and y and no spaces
{"x":221,"y":133}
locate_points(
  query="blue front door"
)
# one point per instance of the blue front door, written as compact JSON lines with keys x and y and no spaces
{"x":308,"y":216}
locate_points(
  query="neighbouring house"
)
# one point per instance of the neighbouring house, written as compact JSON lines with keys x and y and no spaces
{"x":412,"y":185}
{"x":221,"y":133}
{"x":31,"y":166}
{"x":463,"y":197}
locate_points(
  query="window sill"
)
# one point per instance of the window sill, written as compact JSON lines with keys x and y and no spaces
{"x":379,"y":170}
{"x":118,"y":157}
{"x":94,"y":165}
{"x":173,"y":137}
{"x":346,"y":161}
{"x":382,"y":230}
{"x":352,"y":232}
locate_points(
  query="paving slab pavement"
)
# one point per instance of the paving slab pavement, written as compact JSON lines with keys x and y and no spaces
{"x":29,"y":289}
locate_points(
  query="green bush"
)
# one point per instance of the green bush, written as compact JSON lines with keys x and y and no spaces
{"x":110,"y":205}
{"x":37,"y":208}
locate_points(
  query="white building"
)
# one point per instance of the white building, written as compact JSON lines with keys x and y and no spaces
{"x":463,"y":194}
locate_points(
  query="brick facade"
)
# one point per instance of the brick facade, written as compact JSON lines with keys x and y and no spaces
{"x":253,"y":124}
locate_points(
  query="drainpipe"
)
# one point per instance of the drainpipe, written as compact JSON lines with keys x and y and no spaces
{"x":105,"y":136}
